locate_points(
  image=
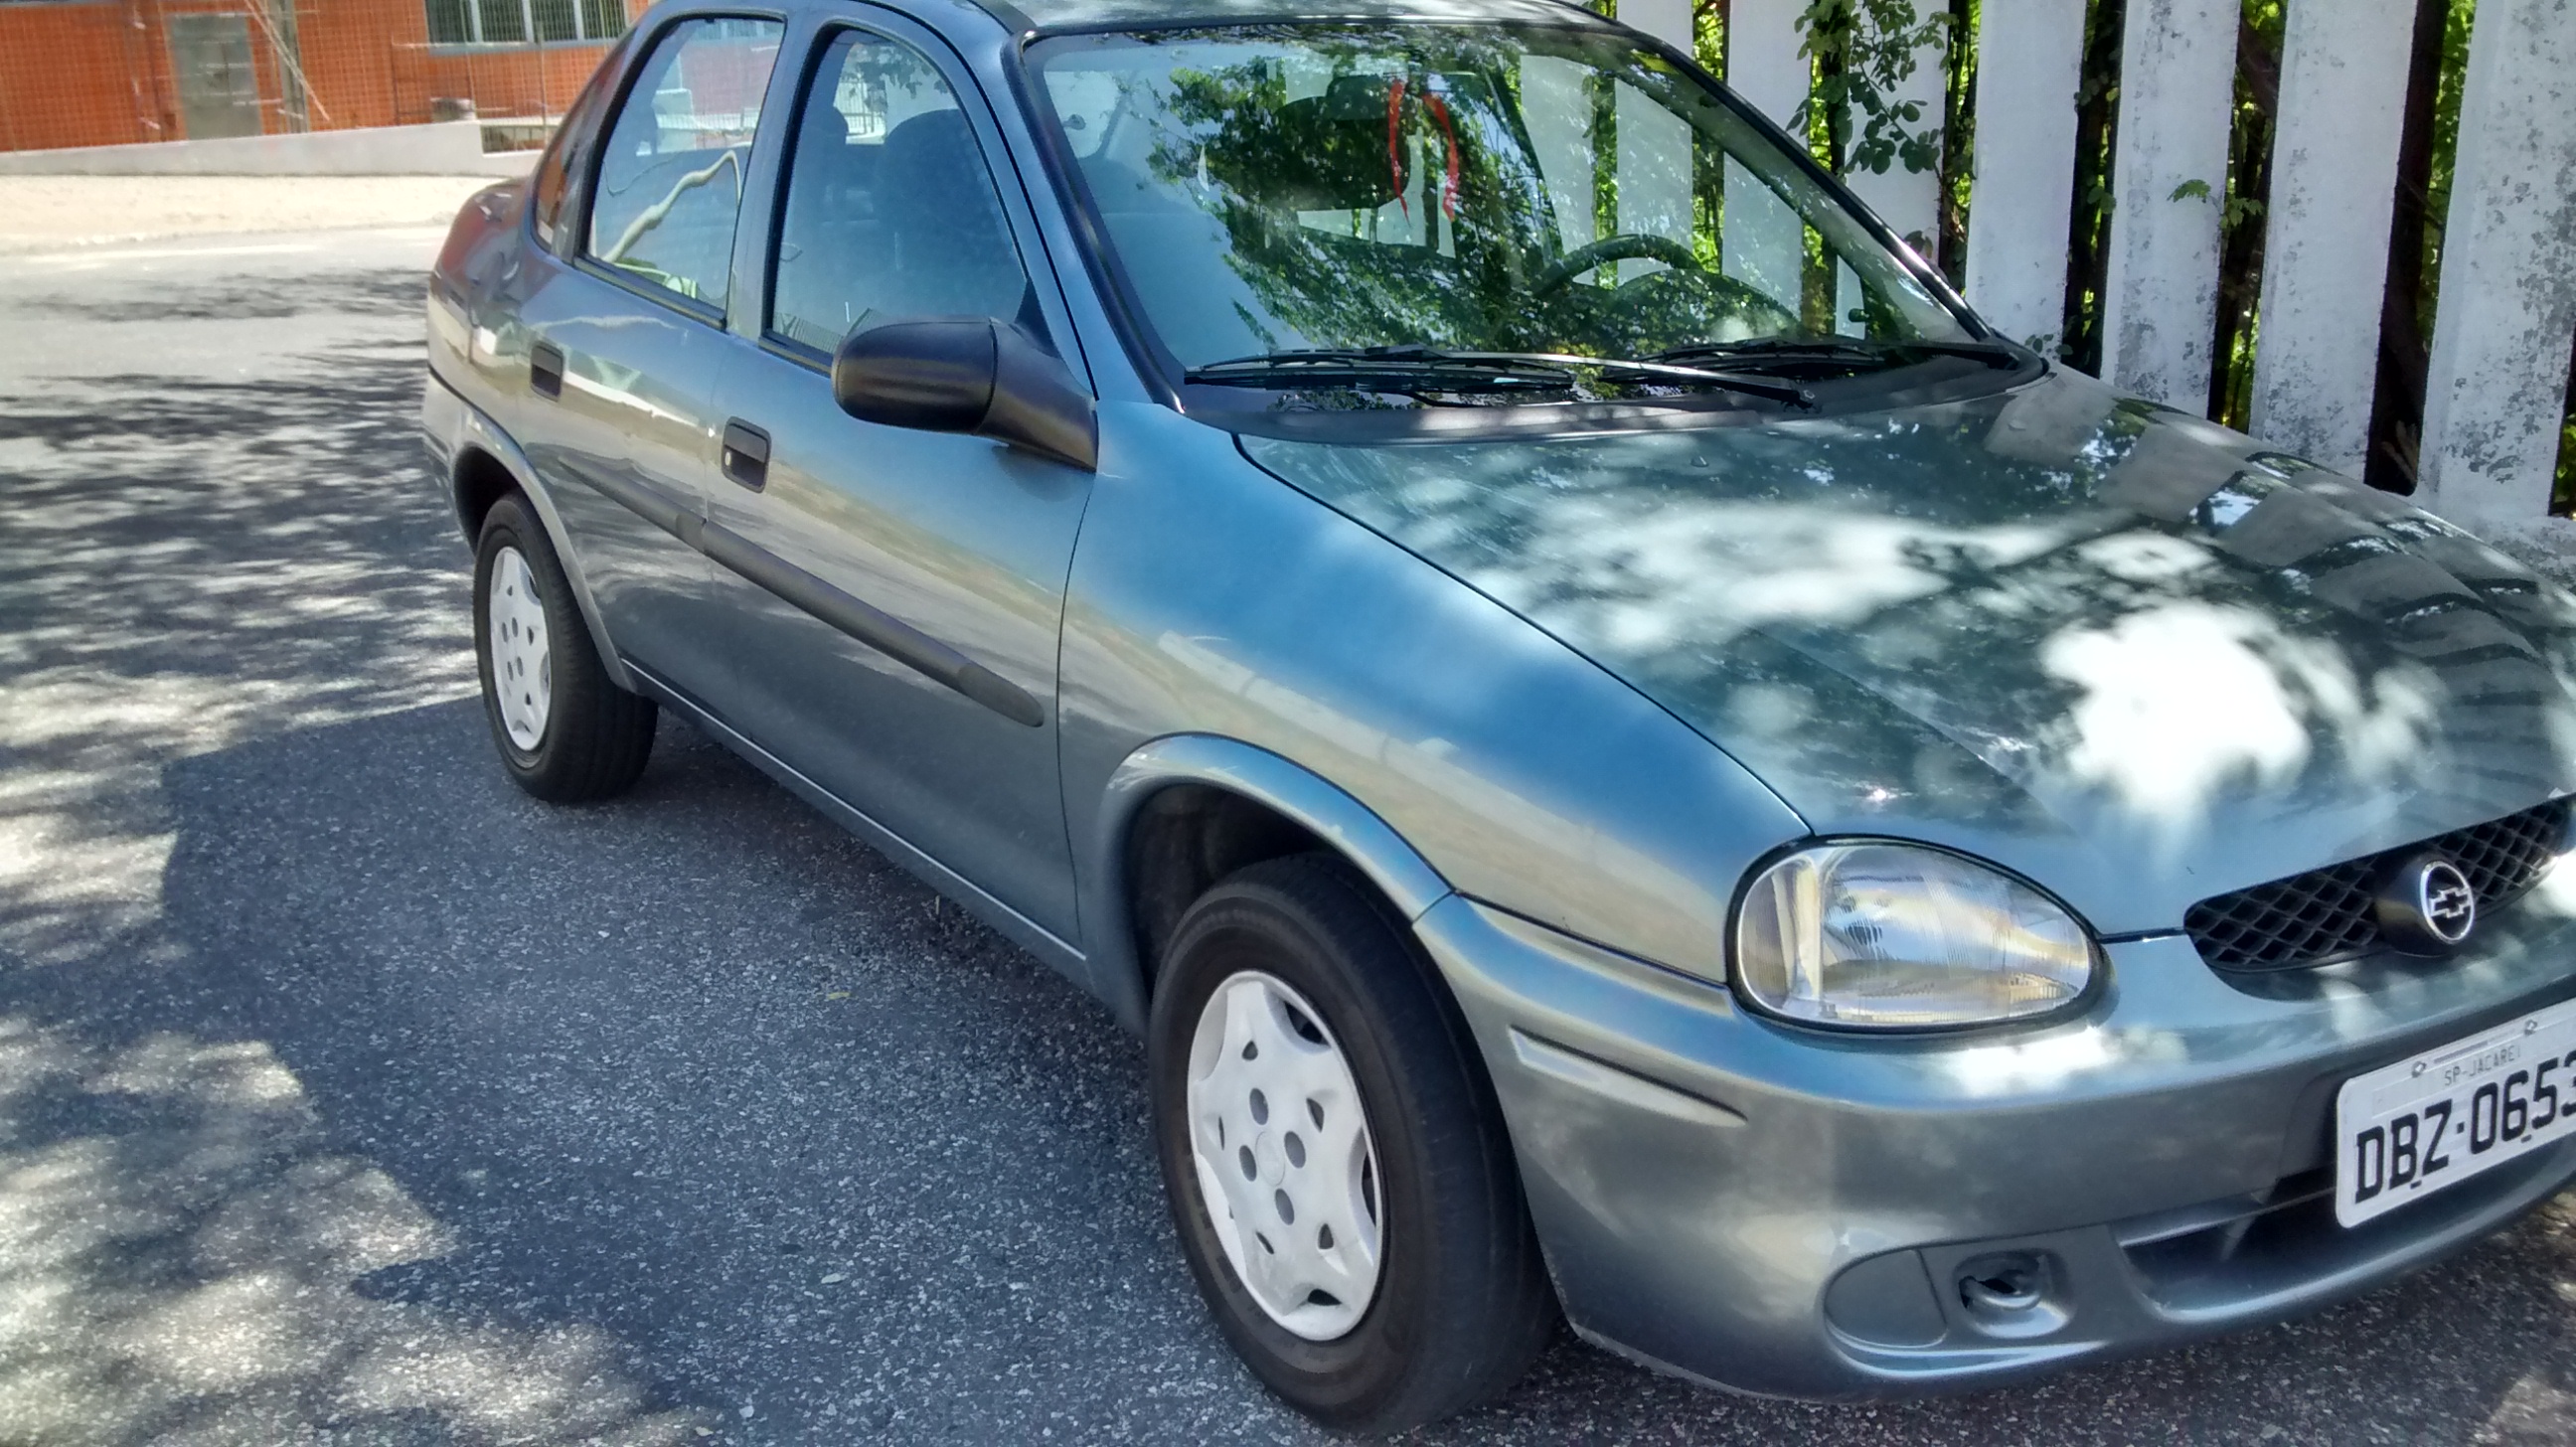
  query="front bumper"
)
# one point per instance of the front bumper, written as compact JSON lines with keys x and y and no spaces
{"x":1793,"y":1213}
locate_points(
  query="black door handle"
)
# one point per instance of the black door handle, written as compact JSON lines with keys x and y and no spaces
{"x":546,"y":369}
{"x":746,"y":454}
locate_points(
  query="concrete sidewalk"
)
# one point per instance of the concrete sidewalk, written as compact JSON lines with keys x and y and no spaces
{"x":441,"y":148}
{"x":54,"y":213}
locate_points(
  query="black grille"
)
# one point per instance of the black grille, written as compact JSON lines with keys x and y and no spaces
{"x":2325,"y":914}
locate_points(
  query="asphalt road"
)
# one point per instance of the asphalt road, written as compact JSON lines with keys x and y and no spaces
{"x":347,"y":1095}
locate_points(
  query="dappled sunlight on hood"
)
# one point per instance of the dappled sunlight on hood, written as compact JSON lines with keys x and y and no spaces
{"x":2183,"y":702}
{"x":1742,"y":567}
{"x":2179,"y":663}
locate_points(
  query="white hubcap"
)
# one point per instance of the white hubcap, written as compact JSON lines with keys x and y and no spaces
{"x":1284,"y":1158}
{"x":523,"y":678}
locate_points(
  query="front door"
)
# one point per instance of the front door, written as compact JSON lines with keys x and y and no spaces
{"x":625,"y":342}
{"x":942,"y":553}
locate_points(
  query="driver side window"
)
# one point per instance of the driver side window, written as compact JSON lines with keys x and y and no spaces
{"x":891,"y":211}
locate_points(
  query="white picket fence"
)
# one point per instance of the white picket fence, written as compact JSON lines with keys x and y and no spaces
{"x":2502,"y":335}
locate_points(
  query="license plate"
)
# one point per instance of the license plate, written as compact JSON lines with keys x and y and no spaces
{"x":2410,"y":1129}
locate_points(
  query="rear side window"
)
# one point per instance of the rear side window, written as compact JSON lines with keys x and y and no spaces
{"x":671,"y":170}
{"x":891,"y":211}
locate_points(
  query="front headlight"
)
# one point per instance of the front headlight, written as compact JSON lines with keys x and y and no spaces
{"x":1869,"y":936}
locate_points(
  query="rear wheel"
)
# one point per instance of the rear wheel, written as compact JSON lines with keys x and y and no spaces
{"x":565,"y":731}
{"x":1337,"y":1168}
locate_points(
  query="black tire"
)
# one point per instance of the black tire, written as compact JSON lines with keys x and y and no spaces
{"x":596,"y":735}
{"x":1463,"y":1302}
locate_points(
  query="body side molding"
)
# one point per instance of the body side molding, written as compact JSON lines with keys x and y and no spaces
{"x":819,"y":598}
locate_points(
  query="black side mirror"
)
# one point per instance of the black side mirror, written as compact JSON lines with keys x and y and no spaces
{"x":967,"y":374}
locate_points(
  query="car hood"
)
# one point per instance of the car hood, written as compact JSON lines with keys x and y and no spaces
{"x":2121,"y":650}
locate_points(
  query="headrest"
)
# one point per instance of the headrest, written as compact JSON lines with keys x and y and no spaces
{"x":1325,"y":152}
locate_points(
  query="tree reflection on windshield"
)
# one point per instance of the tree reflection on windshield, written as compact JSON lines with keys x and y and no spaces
{"x":1287,"y":187}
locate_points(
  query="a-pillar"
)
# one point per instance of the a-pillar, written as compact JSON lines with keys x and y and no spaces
{"x":2498,"y":379}
{"x":2169,"y":178}
{"x":2030,"y":59}
{"x":2325,"y":250}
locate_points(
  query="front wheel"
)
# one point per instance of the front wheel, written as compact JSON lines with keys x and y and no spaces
{"x":565,"y":730}
{"x":1336,"y":1164}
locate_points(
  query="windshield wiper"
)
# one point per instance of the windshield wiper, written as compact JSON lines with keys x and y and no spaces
{"x":1773,"y":351}
{"x":1402,"y":368}
{"x":1500,"y":371}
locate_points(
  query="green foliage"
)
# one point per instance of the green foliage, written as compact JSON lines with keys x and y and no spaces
{"x":2097,"y":105}
{"x":1959,"y":142}
{"x":2562,"y":498}
{"x":2446,"y":148}
{"x":2235,"y":212}
{"x":1605,"y":177}
{"x":1863,"y":50}
{"x":1708,"y":36}
{"x":2242,"y":226}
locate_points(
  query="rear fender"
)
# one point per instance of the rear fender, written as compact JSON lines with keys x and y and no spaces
{"x":459,"y":434}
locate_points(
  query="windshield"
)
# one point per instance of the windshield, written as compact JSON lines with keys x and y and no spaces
{"x":1292,"y":188}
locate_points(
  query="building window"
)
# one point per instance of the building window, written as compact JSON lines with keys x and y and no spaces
{"x":518,"y":22}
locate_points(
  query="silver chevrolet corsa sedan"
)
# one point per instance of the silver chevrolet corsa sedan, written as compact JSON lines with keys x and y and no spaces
{"x":1627,"y":754}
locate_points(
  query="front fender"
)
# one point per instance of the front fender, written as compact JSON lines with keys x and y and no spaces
{"x":1462,"y":748}
{"x":1295,"y":792}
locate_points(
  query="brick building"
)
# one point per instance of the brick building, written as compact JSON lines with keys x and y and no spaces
{"x":104,"y":72}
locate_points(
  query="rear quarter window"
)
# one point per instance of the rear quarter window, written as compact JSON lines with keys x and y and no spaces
{"x":563,"y":159}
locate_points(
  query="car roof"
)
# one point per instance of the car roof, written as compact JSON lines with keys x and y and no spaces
{"x":1048,"y":16}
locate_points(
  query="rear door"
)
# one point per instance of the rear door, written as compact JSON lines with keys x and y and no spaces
{"x":625,"y":337}
{"x":950,"y":551}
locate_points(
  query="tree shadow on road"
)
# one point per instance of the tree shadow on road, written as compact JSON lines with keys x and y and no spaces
{"x":324,"y":293}
{"x":690,"y":1098}
{"x":190,"y":562}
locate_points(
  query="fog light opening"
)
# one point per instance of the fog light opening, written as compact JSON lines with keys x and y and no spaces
{"x":2005,"y":1288}
{"x":2012,"y":1293}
